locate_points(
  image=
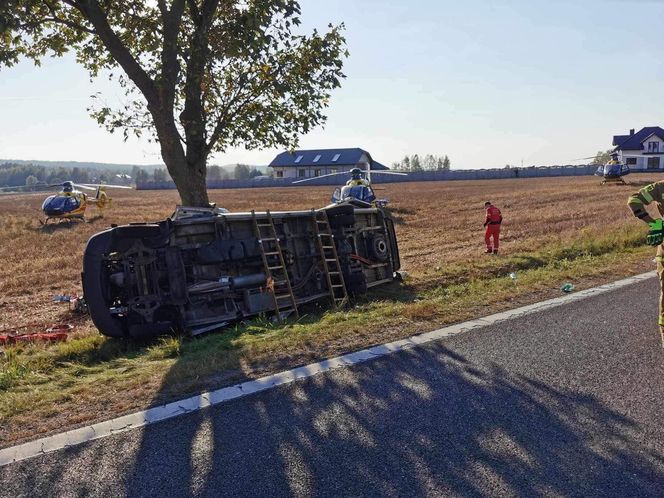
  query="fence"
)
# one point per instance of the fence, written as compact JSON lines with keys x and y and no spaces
{"x":417,"y":176}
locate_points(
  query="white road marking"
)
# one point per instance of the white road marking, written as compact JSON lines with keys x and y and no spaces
{"x":207,"y":399}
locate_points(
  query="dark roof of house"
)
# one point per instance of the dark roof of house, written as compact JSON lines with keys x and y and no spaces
{"x":618,"y":139}
{"x":635,"y":142}
{"x":347,"y":157}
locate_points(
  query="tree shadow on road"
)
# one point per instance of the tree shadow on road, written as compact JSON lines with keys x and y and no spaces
{"x":424,"y":421}
{"x":421,"y":422}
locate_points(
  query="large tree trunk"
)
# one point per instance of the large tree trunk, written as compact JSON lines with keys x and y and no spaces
{"x":190,"y":182}
{"x":189,"y":176}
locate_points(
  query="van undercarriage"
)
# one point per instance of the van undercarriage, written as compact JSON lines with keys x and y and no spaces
{"x":201,"y":269}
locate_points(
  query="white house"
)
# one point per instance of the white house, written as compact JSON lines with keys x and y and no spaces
{"x":312,"y":163}
{"x":642,"y":150}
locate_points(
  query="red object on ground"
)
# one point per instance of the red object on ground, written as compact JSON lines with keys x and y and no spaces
{"x":54,"y":333}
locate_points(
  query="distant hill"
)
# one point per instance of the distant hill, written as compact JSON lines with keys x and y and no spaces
{"x":125,"y":168}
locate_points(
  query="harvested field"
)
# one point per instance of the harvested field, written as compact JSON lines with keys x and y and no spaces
{"x":555,"y":229}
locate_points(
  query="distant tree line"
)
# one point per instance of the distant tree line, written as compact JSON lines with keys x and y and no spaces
{"x":602,"y":158}
{"x":215,"y":173}
{"x":33,"y":175}
{"x":429,"y":162}
{"x":18,"y":175}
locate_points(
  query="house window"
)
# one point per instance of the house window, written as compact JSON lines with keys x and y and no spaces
{"x":336,"y":158}
{"x":334,"y":170}
{"x":630,"y":161}
{"x":301,"y":173}
{"x":653,"y":163}
{"x":298,"y":159}
{"x":280,"y":174}
{"x":653,"y":146}
{"x":316,"y":172}
{"x":317,"y":158}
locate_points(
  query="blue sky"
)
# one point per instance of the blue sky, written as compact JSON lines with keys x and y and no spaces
{"x":487,"y":83}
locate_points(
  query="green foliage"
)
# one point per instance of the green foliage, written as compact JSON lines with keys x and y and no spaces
{"x":242,"y":172}
{"x":199,"y":76}
{"x":140,"y":176}
{"x":430,"y":162}
{"x":31,"y":181}
{"x":12,"y":369}
{"x":12,"y":174}
{"x":216,"y":173}
{"x":167,"y":347}
{"x":415,"y":164}
{"x":602,"y":158}
{"x":447,"y":163}
{"x":160,"y":175}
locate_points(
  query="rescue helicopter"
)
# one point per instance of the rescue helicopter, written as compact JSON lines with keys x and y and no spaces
{"x":70,"y":203}
{"x":613,"y":171}
{"x":358,"y":190}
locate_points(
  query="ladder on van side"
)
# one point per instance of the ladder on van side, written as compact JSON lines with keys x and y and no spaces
{"x":329,"y":257}
{"x":274,"y":266}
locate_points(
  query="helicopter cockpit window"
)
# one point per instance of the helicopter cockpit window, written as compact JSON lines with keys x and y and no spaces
{"x":72,"y":203}
{"x":62,"y":202}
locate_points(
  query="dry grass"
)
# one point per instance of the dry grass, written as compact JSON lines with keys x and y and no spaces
{"x":555,"y":230}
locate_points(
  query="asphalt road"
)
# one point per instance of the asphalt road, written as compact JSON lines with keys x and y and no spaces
{"x":564,"y":402}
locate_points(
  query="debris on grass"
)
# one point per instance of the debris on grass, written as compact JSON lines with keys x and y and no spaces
{"x":55,"y":333}
{"x":567,"y":288}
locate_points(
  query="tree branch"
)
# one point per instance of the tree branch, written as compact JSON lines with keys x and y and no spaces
{"x":193,"y":10}
{"x":65,"y":22}
{"x":170,"y":67}
{"x":221,"y":120}
{"x":91,"y":10}
{"x":252,"y":95}
{"x":57,"y":20}
{"x":192,"y":116}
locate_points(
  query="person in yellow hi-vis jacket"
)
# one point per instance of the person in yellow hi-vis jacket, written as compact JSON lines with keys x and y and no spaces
{"x":356,"y":178}
{"x":614,"y":159}
{"x":637,"y":202}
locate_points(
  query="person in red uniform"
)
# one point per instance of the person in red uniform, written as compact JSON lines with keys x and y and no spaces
{"x":492,"y":223}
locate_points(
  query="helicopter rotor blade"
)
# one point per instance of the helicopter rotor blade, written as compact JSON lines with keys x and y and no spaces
{"x":382,"y":172}
{"x":373,"y":172}
{"x":320,"y":176}
{"x":95,"y":185}
{"x":389,"y":173}
{"x":84,"y":187}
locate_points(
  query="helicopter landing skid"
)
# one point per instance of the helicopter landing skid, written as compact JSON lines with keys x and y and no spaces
{"x":613,"y":181}
{"x":61,"y":220}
